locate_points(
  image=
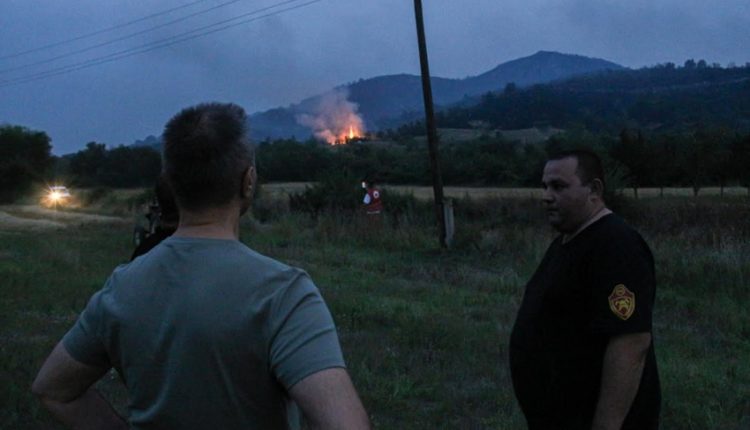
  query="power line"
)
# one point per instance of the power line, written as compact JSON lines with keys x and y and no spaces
{"x":119,"y":39}
{"x":104,"y":30}
{"x":182,"y":37}
{"x":152,"y":46}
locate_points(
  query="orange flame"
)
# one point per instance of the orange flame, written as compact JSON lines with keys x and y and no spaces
{"x":343,"y":137}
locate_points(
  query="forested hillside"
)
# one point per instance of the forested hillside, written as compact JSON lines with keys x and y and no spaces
{"x":661,"y":98}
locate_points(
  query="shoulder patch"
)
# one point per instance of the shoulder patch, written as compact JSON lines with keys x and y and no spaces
{"x":622,"y":302}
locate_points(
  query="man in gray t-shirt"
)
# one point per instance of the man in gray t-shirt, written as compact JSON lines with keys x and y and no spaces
{"x":205,"y":332}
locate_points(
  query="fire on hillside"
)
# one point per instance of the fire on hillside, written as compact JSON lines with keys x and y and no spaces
{"x":335,"y":119}
{"x":354,"y":134}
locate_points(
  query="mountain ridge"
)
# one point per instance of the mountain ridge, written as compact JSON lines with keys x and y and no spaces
{"x":385,"y":101}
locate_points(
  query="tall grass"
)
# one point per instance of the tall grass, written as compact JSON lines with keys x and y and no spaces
{"x":425,"y":331}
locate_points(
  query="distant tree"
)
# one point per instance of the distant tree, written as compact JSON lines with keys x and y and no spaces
{"x":127,"y":166}
{"x":697,"y":158}
{"x":120,"y":167}
{"x":290,"y":160}
{"x":530,"y":161}
{"x":666,"y":156}
{"x":24,"y":159}
{"x":740,"y":159}
{"x":31,"y":147}
{"x":633,"y":152}
{"x":717,"y":144}
{"x":485,"y":161}
{"x":576,"y":138}
{"x":87,"y":164}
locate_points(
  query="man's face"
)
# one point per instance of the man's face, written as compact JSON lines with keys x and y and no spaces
{"x":569,"y":203}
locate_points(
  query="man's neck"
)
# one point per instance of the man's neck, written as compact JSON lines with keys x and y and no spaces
{"x":597,"y":215}
{"x":214,"y":223}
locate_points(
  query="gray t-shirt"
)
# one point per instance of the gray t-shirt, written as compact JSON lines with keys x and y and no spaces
{"x":207,"y":334}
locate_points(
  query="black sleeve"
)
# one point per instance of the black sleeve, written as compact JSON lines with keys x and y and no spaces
{"x":622,"y":284}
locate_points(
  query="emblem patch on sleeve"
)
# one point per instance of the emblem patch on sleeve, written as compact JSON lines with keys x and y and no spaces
{"x":622,"y":302}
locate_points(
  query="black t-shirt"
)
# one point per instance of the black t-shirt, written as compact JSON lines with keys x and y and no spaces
{"x":598,"y":285}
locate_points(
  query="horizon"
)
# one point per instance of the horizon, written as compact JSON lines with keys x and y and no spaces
{"x":300,"y":53}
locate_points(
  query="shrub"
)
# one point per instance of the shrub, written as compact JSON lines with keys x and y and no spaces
{"x":337,"y":192}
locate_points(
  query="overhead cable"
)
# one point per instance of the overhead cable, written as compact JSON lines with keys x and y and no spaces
{"x":119,"y":39}
{"x":102,"y":31}
{"x":183,"y":37}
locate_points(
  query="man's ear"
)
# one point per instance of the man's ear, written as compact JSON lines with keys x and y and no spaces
{"x":597,"y":187}
{"x":249,"y":180}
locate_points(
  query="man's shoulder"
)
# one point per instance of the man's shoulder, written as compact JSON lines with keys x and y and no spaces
{"x":271,"y":267}
{"x":229,"y":261}
{"x":615,"y":237}
{"x":284,"y":285}
{"x":613,"y":229}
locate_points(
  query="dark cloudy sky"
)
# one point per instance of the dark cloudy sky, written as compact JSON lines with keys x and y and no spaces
{"x":280,"y":59}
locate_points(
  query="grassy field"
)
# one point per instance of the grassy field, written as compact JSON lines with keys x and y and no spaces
{"x":425,"y":331}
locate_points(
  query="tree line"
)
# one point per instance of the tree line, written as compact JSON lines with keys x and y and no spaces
{"x":636,"y":158}
{"x":26,"y":161}
{"x":118,"y":167}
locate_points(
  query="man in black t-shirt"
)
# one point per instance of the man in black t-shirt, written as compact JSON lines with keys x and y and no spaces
{"x":581,"y":350}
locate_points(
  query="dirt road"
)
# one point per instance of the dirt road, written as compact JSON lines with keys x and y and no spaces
{"x":29,"y":217}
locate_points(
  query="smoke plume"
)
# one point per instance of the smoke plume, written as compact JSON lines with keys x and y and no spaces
{"x":335,"y":118}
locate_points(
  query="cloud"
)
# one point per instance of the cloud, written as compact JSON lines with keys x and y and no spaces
{"x":641,"y":32}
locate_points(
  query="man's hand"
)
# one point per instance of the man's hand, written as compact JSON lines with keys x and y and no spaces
{"x":621,"y":375}
{"x":329,"y":401}
{"x":64,"y":386}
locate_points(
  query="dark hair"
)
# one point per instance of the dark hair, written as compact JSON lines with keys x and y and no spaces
{"x":206,"y":151}
{"x":589,"y":165}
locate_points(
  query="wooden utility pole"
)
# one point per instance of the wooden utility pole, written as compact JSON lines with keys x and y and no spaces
{"x":432,"y":136}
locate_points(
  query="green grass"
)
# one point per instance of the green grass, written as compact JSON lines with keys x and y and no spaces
{"x":425,"y":332}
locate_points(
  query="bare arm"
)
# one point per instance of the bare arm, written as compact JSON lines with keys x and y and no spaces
{"x":330,"y":402}
{"x":64,"y":386}
{"x":621,"y":375}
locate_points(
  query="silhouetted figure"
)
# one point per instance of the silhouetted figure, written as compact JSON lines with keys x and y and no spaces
{"x":163,"y":218}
